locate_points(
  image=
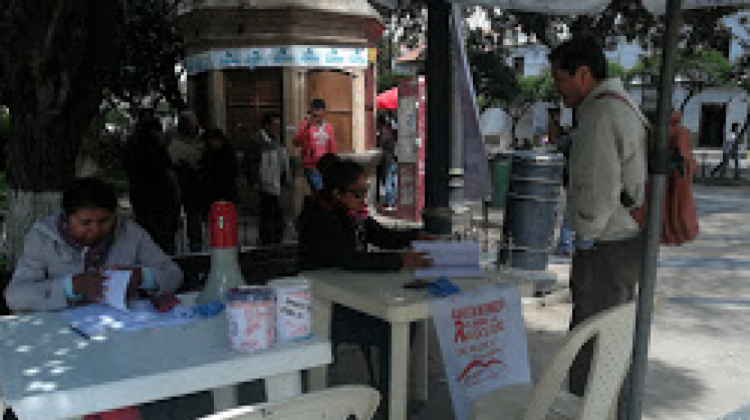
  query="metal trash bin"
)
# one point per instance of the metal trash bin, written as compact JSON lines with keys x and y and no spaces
{"x":529,"y":222}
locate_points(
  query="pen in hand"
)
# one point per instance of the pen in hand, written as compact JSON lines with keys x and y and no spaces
{"x":80,"y":332}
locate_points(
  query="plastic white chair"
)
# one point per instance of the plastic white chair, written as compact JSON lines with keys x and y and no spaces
{"x":614,"y":330}
{"x":338,"y":403}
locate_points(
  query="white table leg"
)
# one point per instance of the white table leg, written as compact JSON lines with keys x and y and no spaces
{"x":399,"y":370}
{"x":321,"y":312}
{"x":284,"y":385}
{"x":420,"y":363}
{"x":224,"y":398}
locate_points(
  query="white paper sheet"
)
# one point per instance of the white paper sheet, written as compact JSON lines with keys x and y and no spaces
{"x":117,"y":288}
{"x":450,"y":260}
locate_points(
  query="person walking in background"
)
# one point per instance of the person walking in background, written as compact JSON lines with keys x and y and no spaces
{"x":386,"y":170}
{"x":185,"y":151}
{"x":729,"y":151}
{"x":315,"y":138}
{"x":218,"y":169}
{"x":267,"y":158}
{"x":607,"y":178}
{"x":154,"y":189}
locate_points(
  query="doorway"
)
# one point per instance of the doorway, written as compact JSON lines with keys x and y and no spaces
{"x":251,"y":94}
{"x":335,"y":88}
{"x":712,"y":124}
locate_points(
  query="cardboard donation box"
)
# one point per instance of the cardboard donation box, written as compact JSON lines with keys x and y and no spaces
{"x":483,"y":342}
{"x":410,"y":148}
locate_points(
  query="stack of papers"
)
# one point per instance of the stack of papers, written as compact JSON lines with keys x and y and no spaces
{"x":450,"y":259}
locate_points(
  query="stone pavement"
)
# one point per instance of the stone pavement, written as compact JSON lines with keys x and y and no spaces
{"x":699,"y":365}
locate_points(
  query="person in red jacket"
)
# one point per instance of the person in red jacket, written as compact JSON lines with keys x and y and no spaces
{"x":315,"y":138}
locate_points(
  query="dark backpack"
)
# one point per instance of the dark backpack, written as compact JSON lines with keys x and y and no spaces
{"x":679,"y":222}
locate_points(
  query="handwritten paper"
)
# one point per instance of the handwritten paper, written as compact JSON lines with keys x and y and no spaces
{"x":117,"y":288}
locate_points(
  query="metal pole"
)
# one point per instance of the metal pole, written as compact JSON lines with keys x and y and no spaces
{"x":658,"y":168}
{"x":437,"y":214}
{"x":457,"y":141}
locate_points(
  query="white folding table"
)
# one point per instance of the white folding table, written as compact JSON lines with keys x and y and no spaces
{"x":49,"y":372}
{"x":383,"y":296}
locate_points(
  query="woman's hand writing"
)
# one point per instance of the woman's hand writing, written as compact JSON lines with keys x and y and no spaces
{"x":412,"y":260}
{"x":90,"y":286}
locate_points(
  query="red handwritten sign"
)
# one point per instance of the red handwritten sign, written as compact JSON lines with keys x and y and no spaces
{"x":483,"y":341}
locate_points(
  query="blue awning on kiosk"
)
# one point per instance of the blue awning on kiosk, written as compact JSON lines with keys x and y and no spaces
{"x":576,"y":7}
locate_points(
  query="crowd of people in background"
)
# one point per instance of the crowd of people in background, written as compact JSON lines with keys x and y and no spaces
{"x":174,"y":177}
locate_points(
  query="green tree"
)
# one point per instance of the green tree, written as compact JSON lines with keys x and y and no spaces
{"x":494,"y":80}
{"x":696,"y":69}
{"x":531,"y":89}
{"x":146,"y":73}
{"x":55,"y":57}
{"x":58,"y":61}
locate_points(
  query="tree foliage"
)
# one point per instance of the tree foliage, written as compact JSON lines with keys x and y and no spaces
{"x":54,"y":59}
{"x":494,"y":80}
{"x":695,"y":69}
{"x":531,"y":90}
{"x":147,"y":71}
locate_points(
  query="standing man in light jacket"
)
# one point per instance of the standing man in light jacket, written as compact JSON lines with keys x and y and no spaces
{"x":185,"y":150}
{"x":267,"y":165}
{"x":607,"y":178}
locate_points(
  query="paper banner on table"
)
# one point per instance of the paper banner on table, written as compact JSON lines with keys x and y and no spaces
{"x":483,"y":342}
{"x":477,"y":185}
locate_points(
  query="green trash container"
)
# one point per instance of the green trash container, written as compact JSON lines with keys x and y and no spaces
{"x":500,"y":168}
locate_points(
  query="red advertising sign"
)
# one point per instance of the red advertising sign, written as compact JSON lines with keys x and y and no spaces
{"x":410,"y":149}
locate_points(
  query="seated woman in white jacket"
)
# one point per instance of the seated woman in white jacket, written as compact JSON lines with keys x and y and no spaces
{"x":65,"y":254}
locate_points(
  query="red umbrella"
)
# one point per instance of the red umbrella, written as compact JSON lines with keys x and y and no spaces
{"x":388,"y":99}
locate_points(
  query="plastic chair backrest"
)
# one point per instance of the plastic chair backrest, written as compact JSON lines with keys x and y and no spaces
{"x":340,"y":403}
{"x":614,"y":330}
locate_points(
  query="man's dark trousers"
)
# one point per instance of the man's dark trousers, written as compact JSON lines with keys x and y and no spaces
{"x":271,"y":220}
{"x":601,"y":278}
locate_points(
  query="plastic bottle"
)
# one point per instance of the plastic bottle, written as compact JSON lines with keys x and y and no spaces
{"x":225,"y":269}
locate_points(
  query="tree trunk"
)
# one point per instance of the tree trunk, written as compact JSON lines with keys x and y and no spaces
{"x":56,"y":57}
{"x":24,"y":208}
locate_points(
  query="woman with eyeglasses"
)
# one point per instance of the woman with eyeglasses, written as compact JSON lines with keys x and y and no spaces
{"x":335,"y":229}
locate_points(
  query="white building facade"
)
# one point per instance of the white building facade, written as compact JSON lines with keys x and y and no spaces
{"x":709,"y":115}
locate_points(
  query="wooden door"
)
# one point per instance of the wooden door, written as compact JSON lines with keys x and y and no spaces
{"x":713,"y":119}
{"x":370,"y":107}
{"x":335,"y":88}
{"x":250,"y":94}
{"x":200,"y":100}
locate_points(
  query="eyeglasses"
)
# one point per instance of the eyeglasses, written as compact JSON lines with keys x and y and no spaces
{"x":358,"y":193}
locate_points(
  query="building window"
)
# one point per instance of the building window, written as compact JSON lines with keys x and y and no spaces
{"x":518,"y":65}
